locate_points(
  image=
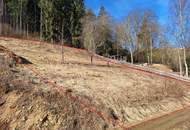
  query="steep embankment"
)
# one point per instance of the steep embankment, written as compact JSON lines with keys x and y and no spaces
{"x":113,"y":95}
{"x":28,"y":103}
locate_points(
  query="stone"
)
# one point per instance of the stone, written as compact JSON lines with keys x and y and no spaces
{"x":35,"y":81}
{"x":14,"y":70}
{"x":24,"y":118}
{"x":2,"y":102}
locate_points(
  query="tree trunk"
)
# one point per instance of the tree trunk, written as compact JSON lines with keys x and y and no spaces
{"x":24,"y":30}
{"x":62,"y":49}
{"x":16,"y":24}
{"x":185,"y":62}
{"x":1,"y":24}
{"x":1,"y":16}
{"x":41,"y":24}
{"x":20,"y":28}
{"x":180,"y":64}
{"x":91,"y":59}
{"x":131,"y":56}
{"x":27,"y":33}
{"x":35,"y":27}
{"x":148,"y":53}
{"x":117,"y":49}
{"x":62,"y":53}
{"x":151,"y":51}
{"x":148,"y":57}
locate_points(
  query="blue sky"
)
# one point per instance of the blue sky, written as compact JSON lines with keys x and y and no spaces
{"x":120,"y":8}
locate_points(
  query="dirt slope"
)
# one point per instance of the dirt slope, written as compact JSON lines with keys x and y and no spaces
{"x":26,"y":103}
{"x":124,"y":95}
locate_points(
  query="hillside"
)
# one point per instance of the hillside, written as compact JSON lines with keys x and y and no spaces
{"x":124,"y":95}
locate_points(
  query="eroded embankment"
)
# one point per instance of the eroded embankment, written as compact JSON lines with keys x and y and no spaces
{"x":26,"y":103}
{"x":122,"y":94}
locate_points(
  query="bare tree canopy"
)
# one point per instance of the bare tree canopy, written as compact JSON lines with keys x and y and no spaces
{"x":180,"y":18}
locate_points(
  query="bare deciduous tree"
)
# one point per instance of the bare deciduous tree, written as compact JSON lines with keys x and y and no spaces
{"x":90,"y":34}
{"x":134,"y":22}
{"x":127,"y":32}
{"x":181,"y":20}
{"x":119,"y":37}
{"x":129,"y":38}
{"x":104,"y":29}
{"x":149,"y":32}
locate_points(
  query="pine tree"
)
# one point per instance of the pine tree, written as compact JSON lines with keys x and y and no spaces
{"x":13,"y":9}
{"x":52,"y":19}
{"x":105,"y":33}
{"x":33,"y":16}
{"x":77,"y":13}
{"x":46,"y":7}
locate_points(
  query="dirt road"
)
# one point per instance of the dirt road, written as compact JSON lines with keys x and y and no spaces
{"x":168,"y":122}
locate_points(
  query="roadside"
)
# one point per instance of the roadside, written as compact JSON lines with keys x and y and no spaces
{"x":177,"y":120}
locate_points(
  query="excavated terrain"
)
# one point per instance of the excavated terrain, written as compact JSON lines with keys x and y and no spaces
{"x":26,"y":103}
{"x":123,"y":94}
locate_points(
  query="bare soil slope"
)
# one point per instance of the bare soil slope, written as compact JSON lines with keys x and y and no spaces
{"x":125,"y":95}
{"x":26,"y":103}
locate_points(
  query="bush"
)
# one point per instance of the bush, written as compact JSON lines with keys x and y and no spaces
{"x":188,"y":63}
{"x":6,"y":75}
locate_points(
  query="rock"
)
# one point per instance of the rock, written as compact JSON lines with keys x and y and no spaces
{"x":44,"y":119}
{"x":9,"y":88}
{"x":24,"y":118}
{"x":114,"y":115}
{"x":13,"y":106}
{"x":35,"y":81}
{"x":30,"y":108}
{"x":105,"y":127}
{"x":11,"y":85}
{"x":2,"y":102}
{"x":16,"y":75}
{"x":14,"y":70}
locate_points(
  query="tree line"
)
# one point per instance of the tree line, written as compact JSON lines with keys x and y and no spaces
{"x":51,"y":20}
{"x":142,"y":37}
{"x":139,"y":35}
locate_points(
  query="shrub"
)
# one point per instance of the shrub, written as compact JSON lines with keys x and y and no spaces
{"x":188,"y":63}
{"x":5,"y":75}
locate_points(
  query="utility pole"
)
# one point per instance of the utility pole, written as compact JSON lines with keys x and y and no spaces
{"x":1,"y":16}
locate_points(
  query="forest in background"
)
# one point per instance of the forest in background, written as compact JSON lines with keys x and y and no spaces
{"x":139,"y":36}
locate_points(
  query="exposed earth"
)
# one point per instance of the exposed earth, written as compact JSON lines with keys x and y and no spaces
{"x":124,"y":95}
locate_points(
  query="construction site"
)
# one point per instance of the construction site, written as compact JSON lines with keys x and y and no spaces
{"x":40,"y":92}
{"x":94,"y":65}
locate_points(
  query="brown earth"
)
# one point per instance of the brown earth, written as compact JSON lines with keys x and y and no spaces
{"x":26,"y":103}
{"x":122,"y":94}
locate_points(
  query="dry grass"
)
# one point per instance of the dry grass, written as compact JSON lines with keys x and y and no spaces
{"x":184,"y":126}
{"x":162,"y":67}
{"x":132,"y":96}
{"x":26,"y":105}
